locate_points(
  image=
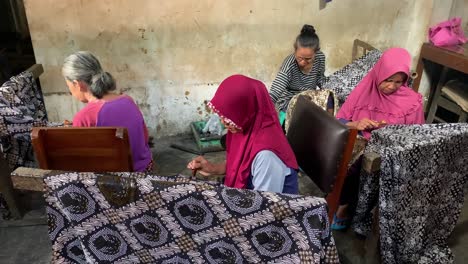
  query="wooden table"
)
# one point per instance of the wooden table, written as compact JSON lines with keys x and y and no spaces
{"x":454,"y":57}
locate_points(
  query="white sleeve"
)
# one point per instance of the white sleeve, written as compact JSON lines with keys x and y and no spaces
{"x":268,"y":172}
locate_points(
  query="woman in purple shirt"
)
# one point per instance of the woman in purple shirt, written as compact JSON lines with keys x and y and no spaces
{"x":90,"y":84}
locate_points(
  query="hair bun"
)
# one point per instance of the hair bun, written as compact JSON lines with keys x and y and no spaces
{"x":308,"y":29}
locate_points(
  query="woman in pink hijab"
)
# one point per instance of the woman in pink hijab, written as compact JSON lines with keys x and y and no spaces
{"x":381,"y":98}
{"x":258,"y":155}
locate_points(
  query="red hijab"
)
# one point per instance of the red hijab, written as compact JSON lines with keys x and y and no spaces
{"x":404,"y":106}
{"x":246,"y":104}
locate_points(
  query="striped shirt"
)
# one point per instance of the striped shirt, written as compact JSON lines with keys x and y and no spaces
{"x":290,"y":80}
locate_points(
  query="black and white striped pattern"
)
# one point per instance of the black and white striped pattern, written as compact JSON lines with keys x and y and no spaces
{"x":290,"y":80}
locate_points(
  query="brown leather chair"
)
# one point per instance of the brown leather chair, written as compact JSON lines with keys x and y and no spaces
{"x":96,"y":149}
{"x":323,"y":148}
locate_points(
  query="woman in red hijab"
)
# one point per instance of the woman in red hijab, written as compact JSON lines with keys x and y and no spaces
{"x":258,"y":155}
{"x":381,"y":98}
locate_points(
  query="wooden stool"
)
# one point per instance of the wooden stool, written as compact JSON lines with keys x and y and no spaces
{"x":453,"y":96}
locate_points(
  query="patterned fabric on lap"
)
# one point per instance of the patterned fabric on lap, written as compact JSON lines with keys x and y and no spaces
{"x":137,"y":218}
{"x":419,"y":190}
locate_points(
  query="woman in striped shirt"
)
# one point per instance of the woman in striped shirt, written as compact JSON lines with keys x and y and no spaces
{"x":301,"y":71}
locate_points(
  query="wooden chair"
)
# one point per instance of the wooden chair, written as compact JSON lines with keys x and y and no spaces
{"x":323,"y":148}
{"x":96,"y":149}
{"x":453,"y":96}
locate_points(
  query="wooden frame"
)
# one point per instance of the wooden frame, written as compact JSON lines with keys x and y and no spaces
{"x":7,"y":189}
{"x":96,"y":149}
{"x":333,"y":198}
{"x":36,"y":70}
{"x":361,"y":45}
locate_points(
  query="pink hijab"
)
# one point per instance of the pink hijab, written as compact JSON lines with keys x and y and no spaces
{"x":404,"y":106}
{"x":247,"y":105}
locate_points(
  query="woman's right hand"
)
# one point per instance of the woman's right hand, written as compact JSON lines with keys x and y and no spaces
{"x":205,"y":167}
{"x":364,"y":124}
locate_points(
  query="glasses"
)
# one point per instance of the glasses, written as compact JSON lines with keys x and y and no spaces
{"x":304,"y":59}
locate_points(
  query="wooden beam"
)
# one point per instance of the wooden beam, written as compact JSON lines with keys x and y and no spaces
{"x":36,"y":70}
{"x":333,"y":198}
{"x":6,"y":188}
{"x":366,"y":47}
{"x":30,"y":179}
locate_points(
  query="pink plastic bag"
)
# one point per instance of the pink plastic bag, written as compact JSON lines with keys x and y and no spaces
{"x":447,"y":33}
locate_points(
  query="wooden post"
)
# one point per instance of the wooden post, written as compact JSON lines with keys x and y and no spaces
{"x":333,"y":198}
{"x":6,"y":188}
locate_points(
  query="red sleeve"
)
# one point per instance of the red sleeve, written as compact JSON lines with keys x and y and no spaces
{"x":87,"y":117}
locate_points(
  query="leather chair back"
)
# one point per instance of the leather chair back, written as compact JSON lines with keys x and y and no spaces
{"x":318,"y":141}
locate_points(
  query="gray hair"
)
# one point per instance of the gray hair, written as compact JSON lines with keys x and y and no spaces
{"x":83,"y":66}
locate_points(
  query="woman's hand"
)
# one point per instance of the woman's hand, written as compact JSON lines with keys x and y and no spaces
{"x":206,"y":168}
{"x":67,"y":123}
{"x":365,"y":124}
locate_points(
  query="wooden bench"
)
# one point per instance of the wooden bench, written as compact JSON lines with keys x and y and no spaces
{"x":32,"y":179}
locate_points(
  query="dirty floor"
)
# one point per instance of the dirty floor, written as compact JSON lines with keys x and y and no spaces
{"x":26,"y":240}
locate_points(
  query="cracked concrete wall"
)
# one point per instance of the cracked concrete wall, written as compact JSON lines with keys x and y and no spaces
{"x":171,"y":55}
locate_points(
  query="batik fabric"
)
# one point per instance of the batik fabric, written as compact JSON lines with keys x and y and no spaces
{"x":419,"y":190}
{"x":137,"y":218}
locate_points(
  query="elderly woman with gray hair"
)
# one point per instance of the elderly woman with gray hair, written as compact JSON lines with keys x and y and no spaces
{"x":90,"y":84}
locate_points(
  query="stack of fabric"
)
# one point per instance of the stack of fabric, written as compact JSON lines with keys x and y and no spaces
{"x":136,"y":218}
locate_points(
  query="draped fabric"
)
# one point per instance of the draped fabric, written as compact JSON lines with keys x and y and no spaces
{"x":419,"y":190}
{"x":137,"y":218}
{"x":318,"y":97}
{"x":21,"y":108}
{"x":343,"y":81}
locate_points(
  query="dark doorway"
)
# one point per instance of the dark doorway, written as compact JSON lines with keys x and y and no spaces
{"x":16,"y":52}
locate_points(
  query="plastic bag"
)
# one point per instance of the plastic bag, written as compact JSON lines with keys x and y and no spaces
{"x":447,"y":33}
{"x":213,"y":126}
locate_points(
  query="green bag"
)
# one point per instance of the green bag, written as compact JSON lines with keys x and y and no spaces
{"x":282,"y":117}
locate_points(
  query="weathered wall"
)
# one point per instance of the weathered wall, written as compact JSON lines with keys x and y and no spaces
{"x":460,"y":9}
{"x":171,"y":55}
{"x":441,"y":11}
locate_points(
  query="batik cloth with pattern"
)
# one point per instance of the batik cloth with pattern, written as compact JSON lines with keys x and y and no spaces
{"x":137,"y":218}
{"x":343,"y":81}
{"x":419,"y":190}
{"x":319,"y":97}
{"x":21,"y":108}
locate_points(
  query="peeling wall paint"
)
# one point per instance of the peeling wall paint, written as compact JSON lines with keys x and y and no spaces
{"x":170,"y":56}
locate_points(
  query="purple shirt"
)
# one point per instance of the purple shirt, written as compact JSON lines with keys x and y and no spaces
{"x":120,"y":112}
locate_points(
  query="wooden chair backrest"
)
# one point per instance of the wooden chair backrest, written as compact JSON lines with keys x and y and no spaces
{"x":96,"y":149}
{"x":323,"y":148}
